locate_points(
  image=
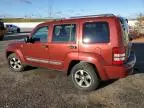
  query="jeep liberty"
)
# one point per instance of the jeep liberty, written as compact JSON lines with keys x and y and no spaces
{"x":88,"y":48}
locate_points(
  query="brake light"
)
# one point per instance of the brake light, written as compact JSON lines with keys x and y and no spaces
{"x":119,"y":55}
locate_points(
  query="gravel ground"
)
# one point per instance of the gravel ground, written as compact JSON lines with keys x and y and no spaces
{"x":42,"y":88}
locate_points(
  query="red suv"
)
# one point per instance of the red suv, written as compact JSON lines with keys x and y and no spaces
{"x":88,"y":48}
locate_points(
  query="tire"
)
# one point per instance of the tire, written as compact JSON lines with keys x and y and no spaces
{"x":84,"y":77}
{"x":18,"y":30}
{"x":15,"y":63}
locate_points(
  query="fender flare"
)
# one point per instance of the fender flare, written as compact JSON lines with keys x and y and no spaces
{"x":18,"y":53}
{"x":94,"y":59}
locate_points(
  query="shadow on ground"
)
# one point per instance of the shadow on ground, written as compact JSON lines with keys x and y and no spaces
{"x":28,"y":68}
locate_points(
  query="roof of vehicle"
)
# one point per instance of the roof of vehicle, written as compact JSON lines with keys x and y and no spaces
{"x":81,"y":17}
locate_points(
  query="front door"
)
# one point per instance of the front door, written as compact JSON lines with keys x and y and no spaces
{"x":36,"y":52}
{"x":63,"y":44}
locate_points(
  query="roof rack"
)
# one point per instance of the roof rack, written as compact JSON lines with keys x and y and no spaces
{"x":100,"y":15}
{"x":58,"y":19}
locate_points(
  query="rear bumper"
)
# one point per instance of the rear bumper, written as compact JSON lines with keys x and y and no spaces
{"x":116,"y":71}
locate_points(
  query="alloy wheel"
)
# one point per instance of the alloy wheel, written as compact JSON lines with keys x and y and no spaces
{"x":82,"y":78}
{"x":15,"y":63}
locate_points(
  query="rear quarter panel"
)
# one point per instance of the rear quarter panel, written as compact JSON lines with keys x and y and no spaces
{"x":102,"y":49}
{"x":97,"y":60}
{"x":100,"y":54}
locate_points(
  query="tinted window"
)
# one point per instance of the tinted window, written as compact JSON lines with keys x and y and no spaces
{"x":125,"y":29}
{"x":64,"y":33}
{"x":124,"y":23}
{"x":96,"y":32}
{"x":41,"y":34}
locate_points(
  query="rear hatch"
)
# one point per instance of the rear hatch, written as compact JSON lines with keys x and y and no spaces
{"x":125,"y":37}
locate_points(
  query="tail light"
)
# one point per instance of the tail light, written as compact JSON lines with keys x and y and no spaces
{"x":119,"y":55}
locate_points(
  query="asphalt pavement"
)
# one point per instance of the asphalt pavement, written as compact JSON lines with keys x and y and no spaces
{"x":138,"y":48}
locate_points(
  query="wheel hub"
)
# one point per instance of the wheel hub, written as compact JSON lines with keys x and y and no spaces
{"x":15,"y":63}
{"x":82,"y":78}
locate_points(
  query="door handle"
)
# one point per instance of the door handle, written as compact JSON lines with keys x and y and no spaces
{"x":72,"y":47}
{"x":45,"y":46}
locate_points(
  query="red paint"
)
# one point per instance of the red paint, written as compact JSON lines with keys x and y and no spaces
{"x":99,"y":54}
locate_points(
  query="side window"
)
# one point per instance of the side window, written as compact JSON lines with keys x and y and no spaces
{"x":96,"y":32}
{"x":64,"y":33}
{"x":41,"y":34}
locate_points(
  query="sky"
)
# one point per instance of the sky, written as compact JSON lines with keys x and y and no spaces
{"x":68,"y":8}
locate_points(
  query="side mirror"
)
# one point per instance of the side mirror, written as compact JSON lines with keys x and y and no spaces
{"x":27,"y":39}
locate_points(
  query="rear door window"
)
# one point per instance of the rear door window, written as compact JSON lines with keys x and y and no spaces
{"x":96,"y":32}
{"x":64,"y":33}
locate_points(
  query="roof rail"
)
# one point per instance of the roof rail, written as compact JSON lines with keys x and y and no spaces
{"x":100,"y":15}
{"x":58,"y":19}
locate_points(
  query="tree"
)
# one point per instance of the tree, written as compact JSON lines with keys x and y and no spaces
{"x":140,"y":24}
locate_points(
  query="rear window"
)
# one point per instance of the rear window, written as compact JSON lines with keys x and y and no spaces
{"x":96,"y":32}
{"x":125,"y":29}
{"x":124,"y":23}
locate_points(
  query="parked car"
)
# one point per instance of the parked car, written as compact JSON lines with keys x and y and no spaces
{"x":2,"y":29}
{"x":88,"y":48}
{"x":12,"y":28}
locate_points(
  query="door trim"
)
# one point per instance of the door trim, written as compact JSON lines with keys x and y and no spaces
{"x":38,"y":60}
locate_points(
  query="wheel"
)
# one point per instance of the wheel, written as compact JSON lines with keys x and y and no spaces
{"x":84,"y":77}
{"x":15,"y":63}
{"x":18,"y":30}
